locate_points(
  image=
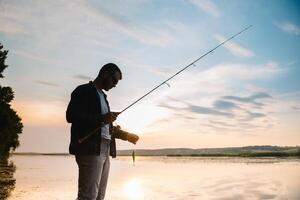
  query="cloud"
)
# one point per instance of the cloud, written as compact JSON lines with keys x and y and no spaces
{"x":193,"y":108}
{"x":208,"y":87}
{"x":171,"y":107}
{"x":253,"y":115}
{"x":47,"y":83}
{"x":250,"y":99}
{"x":228,"y":114}
{"x":39,"y":58}
{"x":98,"y":23}
{"x":165,"y":71}
{"x":289,"y":27}
{"x":220,"y":105}
{"x":224,"y":105}
{"x":291,"y":63}
{"x":221,"y":123}
{"x":208,"y":111}
{"x":260,"y":95}
{"x":33,"y":56}
{"x":235,"y":48}
{"x":237,"y":72}
{"x":150,"y":36}
{"x":82,"y":77}
{"x":207,"y":6}
{"x":247,"y":126}
{"x":11,"y":27}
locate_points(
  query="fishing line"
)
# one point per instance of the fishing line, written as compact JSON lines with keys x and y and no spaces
{"x":165,"y":82}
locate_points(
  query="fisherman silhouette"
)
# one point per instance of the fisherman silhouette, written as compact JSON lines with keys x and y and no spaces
{"x":87,"y":110}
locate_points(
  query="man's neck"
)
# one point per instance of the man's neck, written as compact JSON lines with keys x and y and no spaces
{"x":98,"y":85}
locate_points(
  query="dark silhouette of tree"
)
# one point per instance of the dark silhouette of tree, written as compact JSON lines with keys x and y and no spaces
{"x":10,"y":123}
{"x":7,"y":180}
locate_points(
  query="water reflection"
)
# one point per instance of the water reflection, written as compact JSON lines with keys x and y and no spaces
{"x":55,"y":177}
{"x":133,"y":189}
{"x":7,"y":182}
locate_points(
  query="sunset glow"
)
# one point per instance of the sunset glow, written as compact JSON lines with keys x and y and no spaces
{"x":133,"y":190}
{"x":246,"y":92}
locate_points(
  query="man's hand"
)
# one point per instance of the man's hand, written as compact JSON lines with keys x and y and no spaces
{"x":110,"y":117}
{"x":133,"y":138}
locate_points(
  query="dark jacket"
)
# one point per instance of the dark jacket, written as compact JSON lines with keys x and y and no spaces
{"x":84,"y":112}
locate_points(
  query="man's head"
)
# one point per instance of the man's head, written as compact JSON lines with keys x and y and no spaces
{"x":108,"y":76}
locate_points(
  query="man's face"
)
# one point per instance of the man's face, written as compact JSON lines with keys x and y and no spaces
{"x":111,"y":80}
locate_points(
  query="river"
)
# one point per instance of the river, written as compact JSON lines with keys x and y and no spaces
{"x":163,"y":178}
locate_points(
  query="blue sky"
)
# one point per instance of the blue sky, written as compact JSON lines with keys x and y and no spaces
{"x":245,"y":93}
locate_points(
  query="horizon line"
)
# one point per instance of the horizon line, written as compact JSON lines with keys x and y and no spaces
{"x":64,"y":153}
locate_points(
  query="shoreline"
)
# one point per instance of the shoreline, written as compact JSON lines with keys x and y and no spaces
{"x":246,"y":151}
{"x":254,"y":155}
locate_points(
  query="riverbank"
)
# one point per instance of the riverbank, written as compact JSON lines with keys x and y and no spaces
{"x":248,"y":151}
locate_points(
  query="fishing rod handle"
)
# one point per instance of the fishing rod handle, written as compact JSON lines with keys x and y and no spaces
{"x":81,"y":140}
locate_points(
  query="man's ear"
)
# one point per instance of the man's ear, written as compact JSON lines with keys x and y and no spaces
{"x":105,"y":74}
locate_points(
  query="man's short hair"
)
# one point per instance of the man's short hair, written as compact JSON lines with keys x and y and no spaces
{"x":109,"y":68}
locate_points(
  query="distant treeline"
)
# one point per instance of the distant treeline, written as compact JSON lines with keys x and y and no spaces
{"x":248,"y":151}
{"x":257,"y":154}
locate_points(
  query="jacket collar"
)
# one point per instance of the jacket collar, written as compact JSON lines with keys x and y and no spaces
{"x":91,"y":84}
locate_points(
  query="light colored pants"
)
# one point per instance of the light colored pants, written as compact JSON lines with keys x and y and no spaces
{"x":93,"y":173}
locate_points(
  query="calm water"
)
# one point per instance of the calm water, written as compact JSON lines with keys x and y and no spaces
{"x":161,"y":178}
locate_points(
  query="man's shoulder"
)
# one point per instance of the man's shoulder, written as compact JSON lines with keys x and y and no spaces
{"x":84,"y":88}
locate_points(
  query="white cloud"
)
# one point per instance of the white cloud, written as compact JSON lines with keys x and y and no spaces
{"x":218,"y":80}
{"x":289,"y":27}
{"x":32,"y":56}
{"x":57,"y":21}
{"x":11,"y":27}
{"x":41,"y":58}
{"x":242,"y":71}
{"x":234,"y":48}
{"x":207,"y":6}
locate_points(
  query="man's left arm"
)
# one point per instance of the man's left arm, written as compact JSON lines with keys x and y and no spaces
{"x":124,"y":135}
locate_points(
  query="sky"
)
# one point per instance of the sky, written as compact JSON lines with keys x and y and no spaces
{"x":247,"y":92}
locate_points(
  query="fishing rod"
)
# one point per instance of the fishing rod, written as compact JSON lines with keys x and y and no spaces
{"x":165,"y":82}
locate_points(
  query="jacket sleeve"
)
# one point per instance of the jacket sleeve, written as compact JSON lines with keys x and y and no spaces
{"x":118,"y":133}
{"x":77,"y":111}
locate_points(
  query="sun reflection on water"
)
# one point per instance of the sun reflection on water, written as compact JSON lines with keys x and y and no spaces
{"x":133,"y":189}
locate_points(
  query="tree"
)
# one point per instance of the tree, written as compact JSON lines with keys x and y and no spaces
{"x":10,"y":123}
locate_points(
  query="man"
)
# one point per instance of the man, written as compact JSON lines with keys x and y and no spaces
{"x":88,"y":110}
